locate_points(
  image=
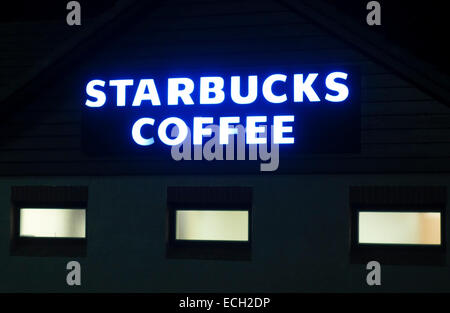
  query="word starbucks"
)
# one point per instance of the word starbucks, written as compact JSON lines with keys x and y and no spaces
{"x":212,"y":90}
{"x":218,"y":94}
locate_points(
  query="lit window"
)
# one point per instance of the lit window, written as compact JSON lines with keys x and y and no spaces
{"x":49,"y":221}
{"x":209,"y":222}
{"x":398,"y":224}
{"x":54,"y":223}
{"x":212,"y":225}
{"x":420,"y":228}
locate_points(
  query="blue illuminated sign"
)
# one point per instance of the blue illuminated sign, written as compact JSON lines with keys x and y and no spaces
{"x":314,"y":111}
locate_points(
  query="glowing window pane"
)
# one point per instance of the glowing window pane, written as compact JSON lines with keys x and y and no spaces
{"x":400,"y":228}
{"x":62,"y":223}
{"x":212,"y":225}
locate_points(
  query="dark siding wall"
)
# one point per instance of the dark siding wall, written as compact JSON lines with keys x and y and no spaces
{"x":403,"y":129}
{"x":300,"y":239}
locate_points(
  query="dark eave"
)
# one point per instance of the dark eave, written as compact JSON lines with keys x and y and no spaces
{"x":400,"y":61}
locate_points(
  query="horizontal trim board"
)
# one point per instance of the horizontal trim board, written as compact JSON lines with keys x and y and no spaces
{"x":76,"y":156}
{"x":393,"y":94}
{"x":376,"y":166}
{"x":383,"y":80}
{"x":421,"y":107}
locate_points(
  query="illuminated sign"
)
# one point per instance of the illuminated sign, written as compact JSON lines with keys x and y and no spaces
{"x":305,"y":111}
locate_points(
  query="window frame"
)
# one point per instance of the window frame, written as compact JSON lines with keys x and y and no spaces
{"x":208,"y":199}
{"x":390,"y":200}
{"x":47,"y":197}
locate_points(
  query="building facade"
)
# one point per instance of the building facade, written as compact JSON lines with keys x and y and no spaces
{"x":303,"y":218}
